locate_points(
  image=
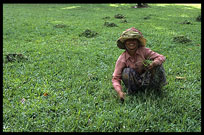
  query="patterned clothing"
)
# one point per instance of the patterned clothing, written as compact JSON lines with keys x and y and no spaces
{"x":153,"y":79}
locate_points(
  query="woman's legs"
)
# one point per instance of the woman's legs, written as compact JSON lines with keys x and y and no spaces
{"x":131,"y":79}
{"x":158,"y":77}
{"x":153,"y":79}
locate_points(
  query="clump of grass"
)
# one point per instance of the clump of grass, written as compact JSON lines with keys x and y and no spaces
{"x":198,"y":18}
{"x":15,"y":57}
{"x":124,"y":21}
{"x":106,"y":17}
{"x":141,"y":5}
{"x":109,"y":24}
{"x":88,"y":33}
{"x":147,"y":62}
{"x":119,"y":16}
{"x":186,"y":22}
{"x":181,"y":39}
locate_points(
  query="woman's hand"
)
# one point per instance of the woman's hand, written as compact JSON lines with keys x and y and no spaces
{"x":150,"y":67}
{"x":121,"y":96}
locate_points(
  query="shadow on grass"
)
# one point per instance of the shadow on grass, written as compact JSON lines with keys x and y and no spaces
{"x":147,"y":94}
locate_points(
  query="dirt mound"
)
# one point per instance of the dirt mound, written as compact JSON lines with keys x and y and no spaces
{"x":198,"y":18}
{"x":181,"y":39}
{"x":15,"y":57}
{"x":88,"y":33}
{"x":141,"y":5}
{"x":109,"y":24}
{"x":107,"y":17}
{"x":119,"y":16}
{"x":124,"y":21}
{"x":186,"y":22}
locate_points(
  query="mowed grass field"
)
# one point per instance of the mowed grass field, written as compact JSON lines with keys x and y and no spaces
{"x":55,"y":79}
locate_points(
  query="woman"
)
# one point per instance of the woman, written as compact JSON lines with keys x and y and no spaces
{"x":131,"y":66}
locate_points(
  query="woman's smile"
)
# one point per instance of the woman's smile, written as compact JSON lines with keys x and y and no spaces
{"x":132,"y":44}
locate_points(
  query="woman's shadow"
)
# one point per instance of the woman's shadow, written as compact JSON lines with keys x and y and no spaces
{"x":147,"y":94}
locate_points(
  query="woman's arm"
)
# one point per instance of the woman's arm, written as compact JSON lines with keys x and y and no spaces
{"x":158,"y":59}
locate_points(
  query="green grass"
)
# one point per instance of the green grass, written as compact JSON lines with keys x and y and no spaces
{"x":76,"y":71}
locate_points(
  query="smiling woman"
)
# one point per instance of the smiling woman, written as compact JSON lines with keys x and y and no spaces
{"x":130,"y":68}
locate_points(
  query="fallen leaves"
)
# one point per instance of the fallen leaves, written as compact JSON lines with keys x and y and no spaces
{"x":45,"y":94}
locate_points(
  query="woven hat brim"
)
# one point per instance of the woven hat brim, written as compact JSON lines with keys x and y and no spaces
{"x":121,"y":41}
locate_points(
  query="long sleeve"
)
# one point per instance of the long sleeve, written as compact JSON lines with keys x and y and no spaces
{"x":117,"y":75}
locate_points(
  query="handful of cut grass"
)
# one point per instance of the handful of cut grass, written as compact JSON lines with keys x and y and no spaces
{"x":147,"y":62}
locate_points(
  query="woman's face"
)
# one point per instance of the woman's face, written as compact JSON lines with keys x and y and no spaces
{"x":132,"y":44}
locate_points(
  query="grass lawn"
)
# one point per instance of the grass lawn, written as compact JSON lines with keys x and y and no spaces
{"x":55,"y":79}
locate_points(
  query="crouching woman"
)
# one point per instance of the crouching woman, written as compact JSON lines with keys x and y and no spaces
{"x":132,"y":66}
